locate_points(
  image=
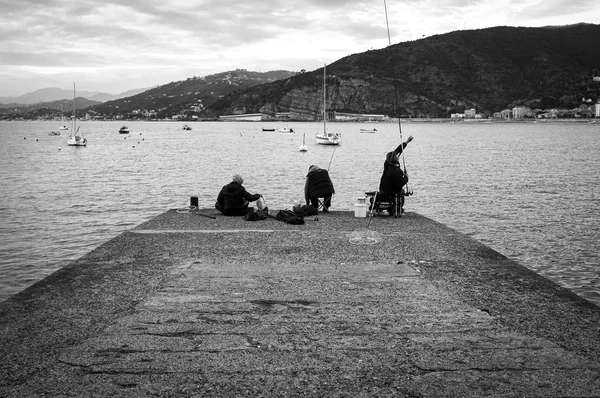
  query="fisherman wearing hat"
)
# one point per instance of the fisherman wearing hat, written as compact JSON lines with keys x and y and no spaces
{"x":233,"y":199}
{"x":318,"y":185}
{"x":393,"y":178}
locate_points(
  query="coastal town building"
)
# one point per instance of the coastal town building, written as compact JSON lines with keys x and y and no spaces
{"x":521,"y":112}
{"x":470,"y":113}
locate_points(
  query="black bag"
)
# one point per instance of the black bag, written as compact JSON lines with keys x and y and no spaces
{"x":251,"y":215}
{"x":304,"y":210}
{"x":289,"y":217}
{"x":311,"y":210}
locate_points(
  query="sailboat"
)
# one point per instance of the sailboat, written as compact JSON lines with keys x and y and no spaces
{"x":63,"y":127}
{"x":303,"y":147}
{"x":326,"y":138}
{"x":76,"y":138}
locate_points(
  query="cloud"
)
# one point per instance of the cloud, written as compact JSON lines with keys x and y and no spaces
{"x":116,"y":45}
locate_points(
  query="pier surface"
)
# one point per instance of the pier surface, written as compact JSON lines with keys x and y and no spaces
{"x":189,"y":306}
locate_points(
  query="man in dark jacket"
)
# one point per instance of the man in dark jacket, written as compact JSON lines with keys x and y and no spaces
{"x":318,"y":185}
{"x":233,"y":199}
{"x":393,"y":178}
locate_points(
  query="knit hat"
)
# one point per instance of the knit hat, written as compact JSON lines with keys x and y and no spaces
{"x":391,"y":158}
{"x":238,"y":178}
{"x":314,"y":167}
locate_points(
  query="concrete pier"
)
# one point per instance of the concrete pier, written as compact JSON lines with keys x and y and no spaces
{"x":190,"y":306}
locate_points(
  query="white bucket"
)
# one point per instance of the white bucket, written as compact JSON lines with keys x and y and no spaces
{"x":360,"y":210}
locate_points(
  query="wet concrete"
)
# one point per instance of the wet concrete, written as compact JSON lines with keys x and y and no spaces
{"x":187,"y":305}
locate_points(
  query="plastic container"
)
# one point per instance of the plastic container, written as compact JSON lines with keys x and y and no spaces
{"x":360,"y":210}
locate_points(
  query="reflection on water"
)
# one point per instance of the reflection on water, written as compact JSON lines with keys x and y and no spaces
{"x":527,"y":190}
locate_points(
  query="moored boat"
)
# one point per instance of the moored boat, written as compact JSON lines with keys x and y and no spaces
{"x":285,"y":130}
{"x":325,"y":137}
{"x":265,"y":129}
{"x":368,"y":130}
{"x":63,"y":126}
{"x":186,"y":127}
{"x":124,"y":130}
{"x":76,"y":138}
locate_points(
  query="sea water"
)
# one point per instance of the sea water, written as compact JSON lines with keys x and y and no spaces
{"x":529,"y":191}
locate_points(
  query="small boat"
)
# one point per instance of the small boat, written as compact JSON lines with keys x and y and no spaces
{"x":368,"y":130}
{"x":76,"y":138}
{"x":285,"y":130}
{"x":264,"y":129}
{"x":303,"y":147}
{"x":63,"y":127}
{"x":124,"y":130}
{"x":186,"y":127}
{"x":329,"y":139}
{"x":54,"y":133}
{"x":326,"y":138}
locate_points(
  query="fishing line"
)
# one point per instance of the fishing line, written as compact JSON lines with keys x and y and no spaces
{"x":366,"y":236}
{"x":330,"y":160}
{"x":395,"y":85}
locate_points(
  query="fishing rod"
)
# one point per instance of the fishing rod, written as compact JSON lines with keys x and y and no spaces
{"x":395,"y":89}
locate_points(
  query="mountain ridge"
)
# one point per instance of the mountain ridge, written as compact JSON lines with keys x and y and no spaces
{"x":52,"y":94}
{"x":486,"y":69}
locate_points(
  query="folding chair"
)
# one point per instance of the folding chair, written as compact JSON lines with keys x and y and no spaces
{"x":321,"y":206}
{"x":393,"y":204}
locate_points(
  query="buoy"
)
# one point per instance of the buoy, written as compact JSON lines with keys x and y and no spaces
{"x":303,"y":147}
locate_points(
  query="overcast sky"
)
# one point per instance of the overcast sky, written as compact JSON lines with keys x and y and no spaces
{"x":116,"y":45}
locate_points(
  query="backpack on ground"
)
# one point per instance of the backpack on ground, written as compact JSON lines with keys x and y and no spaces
{"x":289,"y":217}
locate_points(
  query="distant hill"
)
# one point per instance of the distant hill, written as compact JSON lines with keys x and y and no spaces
{"x":488,"y":69}
{"x":45,"y":110}
{"x":195,"y":92}
{"x":45,"y":95}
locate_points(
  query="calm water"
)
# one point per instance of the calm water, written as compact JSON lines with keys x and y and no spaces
{"x":530,"y":191}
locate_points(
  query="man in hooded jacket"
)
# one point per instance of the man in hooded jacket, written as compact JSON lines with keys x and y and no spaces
{"x":233,"y":198}
{"x":393,"y":178}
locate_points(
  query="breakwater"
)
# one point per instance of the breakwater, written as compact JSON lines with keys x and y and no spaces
{"x":185,"y":305}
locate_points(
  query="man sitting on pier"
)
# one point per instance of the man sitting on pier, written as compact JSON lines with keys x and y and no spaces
{"x":233,"y":199}
{"x":318,"y":185}
{"x":393,"y":178}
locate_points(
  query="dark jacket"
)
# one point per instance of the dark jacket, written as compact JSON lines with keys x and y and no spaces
{"x":234,"y":199}
{"x":393,"y":178}
{"x":318,"y":185}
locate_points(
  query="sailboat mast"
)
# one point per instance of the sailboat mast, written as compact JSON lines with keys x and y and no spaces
{"x":324,"y":101}
{"x":74,"y":118}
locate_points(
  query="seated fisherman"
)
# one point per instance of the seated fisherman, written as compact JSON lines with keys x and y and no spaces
{"x":393,"y":178}
{"x":233,"y":198}
{"x":318,"y":185}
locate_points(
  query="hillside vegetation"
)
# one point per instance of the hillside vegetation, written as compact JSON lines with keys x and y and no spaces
{"x":193,"y":95}
{"x":488,"y":69}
